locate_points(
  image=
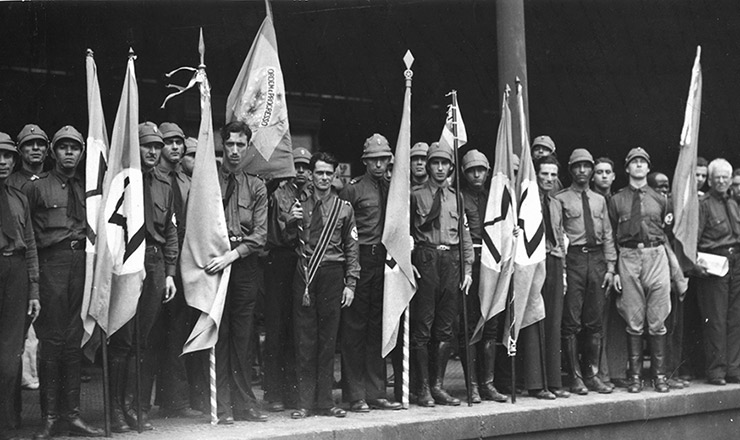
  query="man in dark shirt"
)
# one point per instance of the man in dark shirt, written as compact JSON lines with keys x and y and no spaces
{"x":57,"y":202}
{"x":363,"y":368}
{"x":324,"y":282}
{"x":33,"y":146}
{"x":188,"y":158}
{"x":160,"y":263}
{"x":719,"y":296}
{"x":433,"y":310}
{"x":245,"y":206}
{"x":419,"y":163}
{"x":638,"y":215}
{"x":280,"y":383}
{"x":19,"y":282}
{"x":475,"y":168}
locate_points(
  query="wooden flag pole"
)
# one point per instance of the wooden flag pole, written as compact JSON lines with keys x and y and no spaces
{"x":106,"y":381}
{"x":408,"y":60}
{"x":212,"y":382}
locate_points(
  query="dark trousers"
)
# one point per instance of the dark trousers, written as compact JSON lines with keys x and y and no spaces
{"x":363,"y":368}
{"x":719,"y":302}
{"x":123,"y":342}
{"x":315,"y":330}
{"x":13,"y":307}
{"x":674,"y":340}
{"x":167,"y":338}
{"x":434,"y":308}
{"x":584,"y":300}
{"x":692,"y":355}
{"x":59,"y":327}
{"x":552,"y":294}
{"x":280,"y":380}
{"x":233,"y":354}
{"x":490,"y":329}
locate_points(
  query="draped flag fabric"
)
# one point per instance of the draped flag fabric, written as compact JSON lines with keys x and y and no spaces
{"x":399,"y":285}
{"x":529,"y":260}
{"x":258,"y":98}
{"x":685,"y":198}
{"x":119,"y":270}
{"x":448,"y":135}
{"x":97,"y":154}
{"x":206,"y":236}
{"x":498,"y":225}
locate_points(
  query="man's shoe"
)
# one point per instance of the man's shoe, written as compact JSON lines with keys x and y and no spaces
{"x":131,"y":419}
{"x":560,"y":393}
{"x":334,"y":411}
{"x":118,"y":422}
{"x":674,"y":384}
{"x":542,"y":394}
{"x":383,"y":404}
{"x":51,"y":427}
{"x":227,"y":420}
{"x":359,"y":406}
{"x":578,"y":387}
{"x":661,"y":384}
{"x":78,"y":427}
{"x":732,"y":379}
{"x":595,"y":384}
{"x":251,"y":415}
{"x":184,"y":413}
{"x":300,"y":413}
{"x":717,"y":381}
{"x":275,"y":407}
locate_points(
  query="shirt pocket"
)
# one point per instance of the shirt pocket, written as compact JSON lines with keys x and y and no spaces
{"x":246,"y":214}
{"x":717,"y":228}
{"x":367,"y":208}
{"x":598,"y":217}
{"x":572,"y":212}
{"x":160,"y":213}
{"x":56,"y":213}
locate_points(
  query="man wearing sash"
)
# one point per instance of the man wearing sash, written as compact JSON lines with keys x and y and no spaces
{"x":325,"y":280}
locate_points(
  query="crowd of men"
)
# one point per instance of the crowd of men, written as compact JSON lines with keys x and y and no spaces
{"x":316,"y":253}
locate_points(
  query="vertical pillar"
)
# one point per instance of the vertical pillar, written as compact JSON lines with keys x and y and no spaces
{"x":512,"y":59}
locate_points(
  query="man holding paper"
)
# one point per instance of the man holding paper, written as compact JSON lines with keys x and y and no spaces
{"x":719,"y":296}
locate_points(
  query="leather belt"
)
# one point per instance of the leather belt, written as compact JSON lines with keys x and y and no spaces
{"x":68,"y":244}
{"x":584,"y":249}
{"x":440,"y":247}
{"x":373,"y":249}
{"x":11,"y":253}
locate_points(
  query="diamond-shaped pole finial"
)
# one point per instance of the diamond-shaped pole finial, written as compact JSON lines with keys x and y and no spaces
{"x":408,"y":59}
{"x":202,"y":49}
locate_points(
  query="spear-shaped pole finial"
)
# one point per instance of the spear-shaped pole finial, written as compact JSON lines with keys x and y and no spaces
{"x":408,"y":60}
{"x":90,"y":52}
{"x":202,"y":50}
{"x":131,"y":53}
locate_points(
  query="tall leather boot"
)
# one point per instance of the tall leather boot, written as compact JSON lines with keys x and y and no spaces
{"x":488,"y":365}
{"x":77,"y":426}
{"x":49,"y":385}
{"x":443,"y":352}
{"x":471,"y":372}
{"x":590,"y":367}
{"x":570,"y":348}
{"x":634,"y":357}
{"x":657,"y":362}
{"x":420,"y":358}
{"x":117,"y":369}
{"x":132,"y":395}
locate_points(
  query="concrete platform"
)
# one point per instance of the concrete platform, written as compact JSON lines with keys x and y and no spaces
{"x":702,"y":412}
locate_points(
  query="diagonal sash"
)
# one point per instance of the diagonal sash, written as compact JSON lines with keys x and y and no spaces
{"x":321,"y":247}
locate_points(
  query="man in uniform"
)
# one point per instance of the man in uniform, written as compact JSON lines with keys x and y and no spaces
{"x":245,"y":205}
{"x":19,"y":283}
{"x":638,"y":214}
{"x":33,"y":146}
{"x":363,"y":367}
{"x":160,"y":263}
{"x":590,"y":264}
{"x":419,"y":164}
{"x":57,"y":203}
{"x":475,"y":169}
{"x":542,"y":146}
{"x":433,"y":310}
{"x":280,"y":384}
{"x":188,"y":159}
{"x":719,"y":296}
{"x":603,"y":176}
{"x":324,"y":282}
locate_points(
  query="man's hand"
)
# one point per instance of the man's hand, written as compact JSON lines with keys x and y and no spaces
{"x":517,"y":231}
{"x":34,"y":308}
{"x":170,"y":289}
{"x":296,"y":212}
{"x":347,"y":296}
{"x":218,"y":264}
{"x":608,"y":281}
{"x":467,"y":282}
{"x":617,"y":283}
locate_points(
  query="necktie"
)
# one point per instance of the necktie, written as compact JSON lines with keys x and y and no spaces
{"x":75,"y":208}
{"x":588,"y":221}
{"x":317,"y":224}
{"x":149,"y":205}
{"x":230,"y":187}
{"x":178,"y":195}
{"x":549,"y":233}
{"x":433,"y":217}
{"x":635,"y":229}
{"x":6,"y":217}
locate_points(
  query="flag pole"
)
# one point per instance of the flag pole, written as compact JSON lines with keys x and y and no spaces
{"x":461,"y":251}
{"x":408,"y":60}
{"x":511,"y":343}
{"x":106,"y":381}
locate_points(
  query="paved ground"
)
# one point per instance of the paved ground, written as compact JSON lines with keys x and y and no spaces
{"x":280,"y":424}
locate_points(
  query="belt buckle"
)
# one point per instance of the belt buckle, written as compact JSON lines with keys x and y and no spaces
{"x":732,"y":250}
{"x":8,"y":253}
{"x":584,"y":249}
{"x":443,"y":247}
{"x":73,"y":244}
{"x":640,"y":245}
{"x":235,"y":239}
{"x":373,"y":249}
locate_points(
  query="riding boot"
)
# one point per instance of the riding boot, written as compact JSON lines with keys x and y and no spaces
{"x":634,"y":357}
{"x":657,"y":362}
{"x":420,"y":358}
{"x":49,"y":385}
{"x":590,"y":367}
{"x":488,"y":364}
{"x":71,"y":377}
{"x":471,"y":373}
{"x":117,"y":369}
{"x":134,"y":395}
{"x":570,"y":347}
{"x":443,"y":352}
